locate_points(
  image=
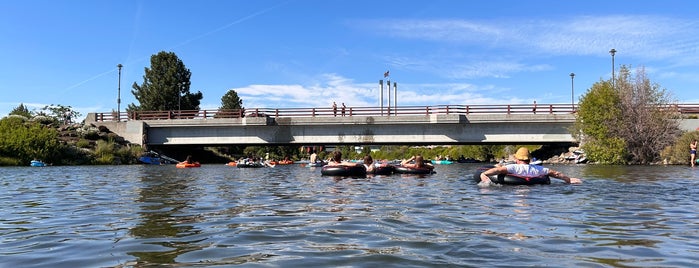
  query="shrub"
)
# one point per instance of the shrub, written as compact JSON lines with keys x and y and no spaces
{"x":678,"y":153}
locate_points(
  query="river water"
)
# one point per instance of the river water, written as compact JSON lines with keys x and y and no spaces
{"x":289,"y":216}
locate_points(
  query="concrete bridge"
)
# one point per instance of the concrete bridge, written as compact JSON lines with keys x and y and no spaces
{"x":432,"y":125}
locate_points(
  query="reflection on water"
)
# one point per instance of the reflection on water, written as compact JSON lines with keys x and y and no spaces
{"x":161,"y":202}
{"x":134,"y":216}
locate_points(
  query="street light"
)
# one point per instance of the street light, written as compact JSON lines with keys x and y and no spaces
{"x":180,"y":85}
{"x":613,"y":51}
{"x":572,"y":92}
{"x":119,"y":94}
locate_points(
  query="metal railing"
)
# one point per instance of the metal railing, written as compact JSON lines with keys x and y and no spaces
{"x":362,"y":111}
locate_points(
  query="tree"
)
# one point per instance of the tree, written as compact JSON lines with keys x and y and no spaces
{"x":165,"y":86}
{"x":21,"y":110}
{"x":28,"y":140}
{"x":648,"y":116}
{"x":628,"y":122}
{"x":231,"y":105}
{"x":62,"y":114}
{"x":231,"y":101}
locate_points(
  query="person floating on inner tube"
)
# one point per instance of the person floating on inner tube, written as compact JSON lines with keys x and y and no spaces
{"x":337,"y":160}
{"x":419,"y":162}
{"x":522,"y":168}
{"x":369,"y":164}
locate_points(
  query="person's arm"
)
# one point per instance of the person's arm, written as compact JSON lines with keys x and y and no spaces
{"x":492,"y":171}
{"x":406,"y":161}
{"x":559,"y":175}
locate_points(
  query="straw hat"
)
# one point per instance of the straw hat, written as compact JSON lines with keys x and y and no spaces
{"x":522,"y":154}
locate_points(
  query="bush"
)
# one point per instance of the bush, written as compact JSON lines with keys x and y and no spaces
{"x":678,"y":153}
{"x":105,"y":160}
{"x":8,"y":161}
{"x":83,"y":143}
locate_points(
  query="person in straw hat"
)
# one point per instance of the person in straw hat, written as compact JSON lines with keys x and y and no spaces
{"x":522,"y":168}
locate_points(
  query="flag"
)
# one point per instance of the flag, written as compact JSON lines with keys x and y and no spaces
{"x":385,"y":74}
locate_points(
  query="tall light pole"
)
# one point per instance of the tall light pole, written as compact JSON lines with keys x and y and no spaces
{"x":572,"y":92}
{"x":613,"y":51}
{"x":119,"y":94}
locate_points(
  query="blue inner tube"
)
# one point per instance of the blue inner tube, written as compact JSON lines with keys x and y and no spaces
{"x":511,"y":179}
{"x":341,"y":170}
{"x":408,"y":170}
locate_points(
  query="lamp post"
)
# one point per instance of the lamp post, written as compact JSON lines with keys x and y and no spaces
{"x":572,"y":92}
{"x":119,"y":94}
{"x":613,"y":51}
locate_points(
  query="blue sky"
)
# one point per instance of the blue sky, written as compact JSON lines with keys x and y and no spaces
{"x":308,"y":53}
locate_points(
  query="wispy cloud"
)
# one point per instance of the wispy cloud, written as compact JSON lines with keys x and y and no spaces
{"x":643,"y":38}
{"x":332,"y":87}
{"x":640,"y":36}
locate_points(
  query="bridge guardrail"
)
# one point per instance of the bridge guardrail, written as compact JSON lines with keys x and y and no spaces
{"x":361,"y":111}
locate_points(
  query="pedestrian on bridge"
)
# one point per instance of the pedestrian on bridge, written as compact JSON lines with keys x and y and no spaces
{"x":334,"y":109}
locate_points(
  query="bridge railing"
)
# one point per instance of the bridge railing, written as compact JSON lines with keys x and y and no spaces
{"x":361,"y":111}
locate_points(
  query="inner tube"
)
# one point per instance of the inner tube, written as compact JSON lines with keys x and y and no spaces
{"x":250,"y":165}
{"x":342,"y":170}
{"x":408,"y":170}
{"x":188,"y":165}
{"x":382,"y":170}
{"x":317,"y":164}
{"x":511,"y":179}
{"x":37,"y":163}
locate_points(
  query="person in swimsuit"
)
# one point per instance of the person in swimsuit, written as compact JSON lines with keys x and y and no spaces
{"x":693,"y":152}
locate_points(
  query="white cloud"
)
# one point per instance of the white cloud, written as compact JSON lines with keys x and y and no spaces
{"x":332,"y":87}
{"x":636,"y":35}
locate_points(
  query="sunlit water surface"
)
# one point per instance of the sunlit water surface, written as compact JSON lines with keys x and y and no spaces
{"x":136,"y":216}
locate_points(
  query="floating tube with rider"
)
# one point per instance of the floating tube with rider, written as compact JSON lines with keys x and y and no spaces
{"x":343,"y":170}
{"x":510,"y":179}
{"x":427,"y":169}
{"x":250,"y":165}
{"x":382,"y":169}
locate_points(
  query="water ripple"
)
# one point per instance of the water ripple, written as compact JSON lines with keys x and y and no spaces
{"x":134,"y":216}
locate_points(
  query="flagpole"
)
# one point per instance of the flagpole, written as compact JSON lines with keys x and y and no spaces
{"x":387,"y":75}
{"x":381,"y":95}
{"x":395,"y":98}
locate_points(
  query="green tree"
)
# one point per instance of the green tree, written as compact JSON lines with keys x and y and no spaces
{"x":231,"y":105}
{"x":628,"y":122}
{"x":62,"y":114}
{"x":21,"y":110}
{"x":165,"y":86}
{"x":598,"y":115}
{"x":231,"y":101}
